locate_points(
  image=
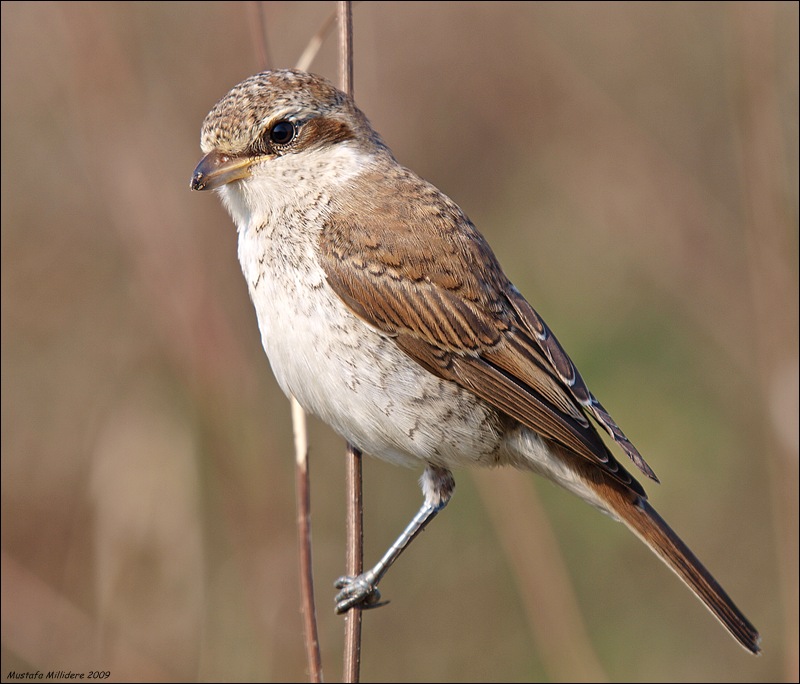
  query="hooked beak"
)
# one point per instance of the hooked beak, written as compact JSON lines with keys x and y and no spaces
{"x":217,"y":169}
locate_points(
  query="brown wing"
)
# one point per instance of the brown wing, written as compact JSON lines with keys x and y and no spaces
{"x":428,"y":278}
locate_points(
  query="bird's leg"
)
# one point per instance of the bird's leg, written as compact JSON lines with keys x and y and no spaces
{"x":362,"y":590}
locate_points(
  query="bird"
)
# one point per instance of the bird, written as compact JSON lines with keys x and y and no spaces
{"x":383,"y":310}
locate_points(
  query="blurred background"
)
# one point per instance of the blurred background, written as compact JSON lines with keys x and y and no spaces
{"x":635,"y":168}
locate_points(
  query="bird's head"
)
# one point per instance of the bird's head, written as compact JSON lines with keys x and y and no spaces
{"x":277,"y":115}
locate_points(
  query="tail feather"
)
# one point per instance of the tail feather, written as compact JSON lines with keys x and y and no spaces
{"x":643,"y":520}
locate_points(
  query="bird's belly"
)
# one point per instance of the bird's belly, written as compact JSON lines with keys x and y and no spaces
{"x":359,"y":382}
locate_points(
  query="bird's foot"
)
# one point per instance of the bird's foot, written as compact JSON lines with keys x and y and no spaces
{"x":360,"y":591}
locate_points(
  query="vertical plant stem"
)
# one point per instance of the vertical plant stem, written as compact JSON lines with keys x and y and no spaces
{"x":355,"y":537}
{"x":345,"y":12}
{"x":355,"y":560}
{"x":303,"y":496}
{"x":258,"y":28}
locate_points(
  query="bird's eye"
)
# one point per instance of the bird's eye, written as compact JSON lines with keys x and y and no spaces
{"x":282,"y":133}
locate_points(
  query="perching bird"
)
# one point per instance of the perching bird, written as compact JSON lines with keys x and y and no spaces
{"x":384,"y":311}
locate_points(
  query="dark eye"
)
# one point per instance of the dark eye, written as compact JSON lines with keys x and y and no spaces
{"x":282,"y":133}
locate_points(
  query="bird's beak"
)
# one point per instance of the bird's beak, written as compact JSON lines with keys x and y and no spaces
{"x":217,"y":169}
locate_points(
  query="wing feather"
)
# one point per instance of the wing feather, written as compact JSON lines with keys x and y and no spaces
{"x":431,"y":281}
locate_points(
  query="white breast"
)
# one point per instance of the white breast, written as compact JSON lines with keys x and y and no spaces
{"x":339,"y":368}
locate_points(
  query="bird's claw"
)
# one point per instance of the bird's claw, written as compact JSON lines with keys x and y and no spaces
{"x":359,"y":591}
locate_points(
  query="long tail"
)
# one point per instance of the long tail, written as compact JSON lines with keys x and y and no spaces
{"x":642,"y":519}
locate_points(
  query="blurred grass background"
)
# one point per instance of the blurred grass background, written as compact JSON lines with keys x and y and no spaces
{"x":635,"y":167}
